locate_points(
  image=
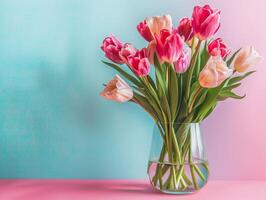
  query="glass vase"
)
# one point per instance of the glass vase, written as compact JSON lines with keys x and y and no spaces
{"x":177,"y":162}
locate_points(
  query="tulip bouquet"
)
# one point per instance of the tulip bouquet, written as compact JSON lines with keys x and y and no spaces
{"x":192,"y":71}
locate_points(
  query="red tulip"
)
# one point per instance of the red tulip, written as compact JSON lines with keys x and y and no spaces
{"x":185,"y":29}
{"x":169,"y":46}
{"x":139,"y":63}
{"x":218,"y":47}
{"x":205,"y":21}
{"x":112,"y":47}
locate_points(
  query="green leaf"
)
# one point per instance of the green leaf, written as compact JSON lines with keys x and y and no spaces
{"x":230,"y":94}
{"x":183,"y":129}
{"x":201,"y":98}
{"x":173,"y":93}
{"x":194,"y":88}
{"x":166,"y":108}
{"x":144,"y":103}
{"x":210,"y":111}
{"x":228,"y":62}
{"x":239,"y":78}
{"x":160,"y":83}
{"x":210,"y":100}
{"x":230,"y":87}
{"x":204,"y":56}
{"x":151,"y":82}
{"x":123,"y":73}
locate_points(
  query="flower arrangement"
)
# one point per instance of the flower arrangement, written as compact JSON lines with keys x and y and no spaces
{"x":191,"y":73}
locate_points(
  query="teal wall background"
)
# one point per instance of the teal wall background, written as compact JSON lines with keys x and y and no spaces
{"x":53,"y":124}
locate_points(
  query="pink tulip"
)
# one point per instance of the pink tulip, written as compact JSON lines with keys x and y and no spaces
{"x":145,"y":31}
{"x":182,"y":64}
{"x":169,"y":46}
{"x":117,"y":90}
{"x":218,"y":47}
{"x":153,"y":25}
{"x":205,"y":21}
{"x":127,"y":51}
{"x":185,"y":29}
{"x":214,"y":73}
{"x":139,"y":63}
{"x":245,"y":58}
{"x":112,"y":47}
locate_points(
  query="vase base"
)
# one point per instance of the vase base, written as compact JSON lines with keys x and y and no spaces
{"x":178,"y":179}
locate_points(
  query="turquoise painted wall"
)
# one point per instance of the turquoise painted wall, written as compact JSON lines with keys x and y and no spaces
{"x":53,"y":124}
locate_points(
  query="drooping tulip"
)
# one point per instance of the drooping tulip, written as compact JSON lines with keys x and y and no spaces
{"x":127,"y":51}
{"x":153,"y":25}
{"x":182,"y":64}
{"x":169,"y":46}
{"x":139,"y":63}
{"x":205,"y":21}
{"x":117,"y":90}
{"x":246,"y":58}
{"x":214,"y":72}
{"x":185,"y":29}
{"x":218,"y":47}
{"x":112,"y":47}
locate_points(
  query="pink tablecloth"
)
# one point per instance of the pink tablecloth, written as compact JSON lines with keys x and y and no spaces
{"x":123,"y":190}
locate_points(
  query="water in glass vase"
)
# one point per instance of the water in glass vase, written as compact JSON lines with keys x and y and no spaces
{"x":177,"y":164}
{"x":183,"y":181}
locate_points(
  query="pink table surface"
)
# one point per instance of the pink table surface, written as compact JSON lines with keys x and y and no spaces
{"x":17,"y":189}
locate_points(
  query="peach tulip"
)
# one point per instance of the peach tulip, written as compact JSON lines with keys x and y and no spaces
{"x":153,"y":25}
{"x":245,"y":58}
{"x":117,"y":90}
{"x":214,"y":72}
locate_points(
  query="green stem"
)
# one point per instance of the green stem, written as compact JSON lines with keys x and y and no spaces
{"x":194,"y":179}
{"x":199,"y":172}
{"x":186,"y":179}
{"x":191,"y":69}
{"x":194,"y":99}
